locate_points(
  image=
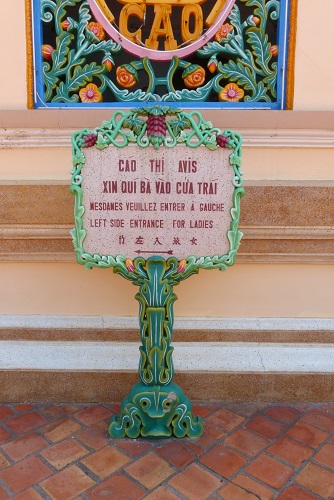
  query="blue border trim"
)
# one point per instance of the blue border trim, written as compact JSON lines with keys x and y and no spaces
{"x":38,"y":70}
{"x":283,"y":41}
{"x":188,"y":105}
{"x":279,"y":104}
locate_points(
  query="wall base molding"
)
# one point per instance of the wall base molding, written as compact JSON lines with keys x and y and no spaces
{"x":95,"y":358}
{"x":61,"y":386}
{"x":199,"y":357}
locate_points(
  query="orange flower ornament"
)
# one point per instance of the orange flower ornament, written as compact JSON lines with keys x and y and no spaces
{"x":212,"y":65}
{"x":90,"y":94}
{"x":47,"y":51}
{"x":96,"y":31}
{"x":223,"y":31}
{"x":182,"y":266}
{"x":129,"y":265}
{"x":256,"y":20}
{"x":108,"y":62}
{"x":126,"y":76}
{"x":274,"y":50}
{"x":65,"y":24}
{"x":193,"y":76}
{"x":231,"y":93}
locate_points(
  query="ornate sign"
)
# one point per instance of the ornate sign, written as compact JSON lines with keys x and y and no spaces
{"x":157,"y":197}
{"x":194,"y":31}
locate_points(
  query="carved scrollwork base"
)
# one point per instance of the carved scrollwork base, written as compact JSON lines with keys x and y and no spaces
{"x":156,"y":412}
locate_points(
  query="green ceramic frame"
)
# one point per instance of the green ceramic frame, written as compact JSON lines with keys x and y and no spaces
{"x":156,"y":407}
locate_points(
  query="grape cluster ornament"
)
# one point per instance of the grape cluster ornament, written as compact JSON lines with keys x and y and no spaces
{"x":156,"y":129}
{"x":222,"y":141}
{"x":89,"y":140}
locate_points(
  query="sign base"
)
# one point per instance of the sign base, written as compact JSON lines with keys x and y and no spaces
{"x":156,"y":412}
{"x":156,"y":407}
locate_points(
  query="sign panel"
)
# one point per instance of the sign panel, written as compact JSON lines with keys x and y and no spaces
{"x":166,"y":201}
{"x":155,"y":186}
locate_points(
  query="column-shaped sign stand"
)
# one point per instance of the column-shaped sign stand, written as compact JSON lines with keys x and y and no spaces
{"x":157,"y":197}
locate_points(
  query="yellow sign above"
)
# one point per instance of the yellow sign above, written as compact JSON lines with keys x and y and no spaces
{"x":162,"y":28}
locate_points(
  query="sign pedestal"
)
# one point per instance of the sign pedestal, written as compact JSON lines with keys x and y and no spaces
{"x":156,"y":180}
{"x":156,"y":407}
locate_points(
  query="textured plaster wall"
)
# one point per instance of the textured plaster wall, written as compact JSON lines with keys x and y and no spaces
{"x":314,"y":69}
{"x":13,"y":82}
{"x":281,"y":164}
{"x":264,"y":290}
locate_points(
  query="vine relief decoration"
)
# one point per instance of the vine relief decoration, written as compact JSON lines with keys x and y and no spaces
{"x":237,"y":62}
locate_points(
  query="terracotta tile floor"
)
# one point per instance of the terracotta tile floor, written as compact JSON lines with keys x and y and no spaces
{"x":248,"y":451}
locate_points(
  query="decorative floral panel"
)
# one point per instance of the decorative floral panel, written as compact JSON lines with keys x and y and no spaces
{"x":122,"y":53}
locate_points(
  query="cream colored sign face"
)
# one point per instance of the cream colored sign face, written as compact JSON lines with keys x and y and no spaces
{"x":157,"y":202}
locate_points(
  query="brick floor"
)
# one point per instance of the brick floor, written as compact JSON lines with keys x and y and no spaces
{"x":195,"y":482}
{"x":248,"y":451}
{"x":150,"y":470}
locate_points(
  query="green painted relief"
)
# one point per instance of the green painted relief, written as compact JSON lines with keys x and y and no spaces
{"x":82,"y":59}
